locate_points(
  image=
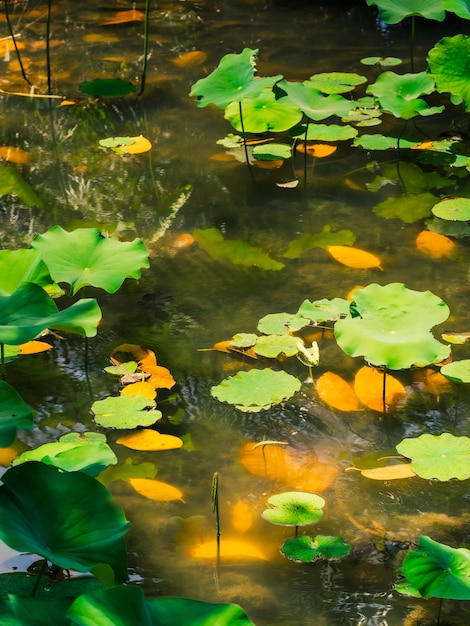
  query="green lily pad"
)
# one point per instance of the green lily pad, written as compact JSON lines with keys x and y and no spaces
{"x":306,"y":549}
{"x":23,"y":611}
{"x":281,"y":323}
{"x":27,"y":312}
{"x":24,"y":266}
{"x":244,"y":340}
{"x":238,"y":252}
{"x":398,"y":94}
{"x":449,"y":61}
{"x":311,"y":101}
{"x":394,"y":11}
{"x":263,"y":114}
{"x":127,"y":471}
{"x":107,"y":87}
{"x":276,"y":346}
{"x":324,"y":239}
{"x":127,"y":606}
{"x":123,"y":369}
{"x":391,"y":327}
{"x":68,"y":518}
{"x":294,"y":508}
{"x":324,"y":132}
{"x":86,"y":452}
{"x":335,"y":82}
{"x":231,"y":81}
{"x":257,"y":389}
{"x":14,"y":414}
{"x":457,"y":370}
{"x":272,"y":151}
{"x":436,"y":570}
{"x":384,"y":142}
{"x":84,"y":257}
{"x":324,"y":310}
{"x":125,"y":412}
{"x":382,"y":61}
{"x":455,"y":209}
{"x":459,"y":7}
{"x":438,"y":456}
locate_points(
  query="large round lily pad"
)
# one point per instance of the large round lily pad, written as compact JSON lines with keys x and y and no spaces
{"x":257,"y":389}
{"x":294,"y":508}
{"x":449,"y":63}
{"x":392,"y":327}
{"x":438,"y":456}
{"x":455,"y":209}
{"x":306,"y":549}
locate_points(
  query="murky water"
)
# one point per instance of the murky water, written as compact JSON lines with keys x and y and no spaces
{"x":188,"y":301}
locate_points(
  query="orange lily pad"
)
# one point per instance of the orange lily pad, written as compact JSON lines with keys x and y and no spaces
{"x":190,"y":59}
{"x":434,"y":245}
{"x":396,"y":471}
{"x":142,"y":388}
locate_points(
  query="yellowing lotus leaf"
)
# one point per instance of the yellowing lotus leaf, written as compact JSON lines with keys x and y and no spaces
{"x":156,"y":490}
{"x":33,"y":347}
{"x":148,"y":439}
{"x":337,"y":393}
{"x":368,"y":385}
{"x":434,"y":245}
{"x":141,"y":388}
{"x":353,"y":257}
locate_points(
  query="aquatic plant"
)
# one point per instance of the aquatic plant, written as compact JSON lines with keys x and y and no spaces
{"x":306,"y":549}
{"x":294,"y":508}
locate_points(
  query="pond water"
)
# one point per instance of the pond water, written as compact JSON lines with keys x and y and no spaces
{"x":187,"y":301}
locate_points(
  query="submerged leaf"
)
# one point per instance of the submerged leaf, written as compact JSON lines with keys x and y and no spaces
{"x":230,"y":549}
{"x":155,"y":489}
{"x":107,"y":87}
{"x":336,"y":392}
{"x":353,"y":257}
{"x":368,"y":385}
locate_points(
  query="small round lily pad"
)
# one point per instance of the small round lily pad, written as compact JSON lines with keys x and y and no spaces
{"x":455,"y":209}
{"x":457,"y":370}
{"x":306,"y":549}
{"x":294,"y":508}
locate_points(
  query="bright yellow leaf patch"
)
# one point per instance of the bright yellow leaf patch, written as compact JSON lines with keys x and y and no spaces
{"x":156,"y":490}
{"x":229,"y":549}
{"x":148,"y":439}
{"x":434,"y":245}
{"x":368,"y":385}
{"x":336,"y":392}
{"x":353,"y":257}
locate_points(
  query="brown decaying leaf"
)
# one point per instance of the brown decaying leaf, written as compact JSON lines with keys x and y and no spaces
{"x":14,"y":155}
{"x":159,"y":377}
{"x":156,"y":490}
{"x":229,"y":348}
{"x":336,"y":392}
{"x":368,"y":385}
{"x":353,"y":257}
{"x":317,"y":150}
{"x":268,"y":165}
{"x":295,"y":468}
{"x":190,"y":59}
{"x":434,"y":245}
{"x":148,"y":439}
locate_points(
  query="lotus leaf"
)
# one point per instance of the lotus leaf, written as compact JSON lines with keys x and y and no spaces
{"x":86,"y":452}
{"x":294,"y":508}
{"x":281,"y":323}
{"x":319,"y":240}
{"x":68,"y":518}
{"x":127,"y":606}
{"x":449,"y":63}
{"x":383,"y":61}
{"x":27,"y":312}
{"x":335,"y":82}
{"x":125,"y":411}
{"x":256,"y":389}
{"x":244,"y":340}
{"x":263,"y":114}
{"x":391,"y":326}
{"x":394,"y":11}
{"x":14,"y":413}
{"x":408,"y":208}
{"x":231,"y":81}
{"x":398,"y":94}
{"x":84,"y":257}
{"x":457,"y":370}
{"x":459,"y":7}
{"x":324,"y":132}
{"x":276,"y":346}
{"x":384,"y":142}
{"x":438,"y":456}
{"x":324,"y":310}
{"x":455,"y":209}
{"x":107,"y":87}
{"x":272,"y":151}
{"x":238,"y":252}
{"x":16,"y":610}
{"x":23,"y":266}
{"x":436,"y":570}
{"x":311,"y":101}
{"x":306,"y":549}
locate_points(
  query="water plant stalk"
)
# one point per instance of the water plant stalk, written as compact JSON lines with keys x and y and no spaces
{"x":215,"y":510}
{"x":244,"y":137}
{"x":13,"y":38}
{"x":39,"y":576}
{"x":146,"y":48}
{"x":48,"y":46}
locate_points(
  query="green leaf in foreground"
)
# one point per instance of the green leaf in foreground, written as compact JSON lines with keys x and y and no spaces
{"x":14,"y":413}
{"x":16,"y":610}
{"x":238,"y":252}
{"x":257,"y":389}
{"x":306,"y":549}
{"x":438,"y":456}
{"x":448,"y":65}
{"x":68,"y":518}
{"x":125,"y":412}
{"x":436,"y":570}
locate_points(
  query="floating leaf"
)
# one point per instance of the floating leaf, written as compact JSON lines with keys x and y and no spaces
{"x":324,"y":132}
{"x":336,"y":82}
{"x":384,"y":142}
{"x":317,"y":150}
{"x":155,"y":489}
{"x":434,"y":245}
{"x":272,"y":151}
{"x":398,"y":94}
{"x":238,"y":252}
{"x":68,"y":518}
{"x":147,"y":439}
{"x":12,"y":182}
{"x":107,"y":87}
{"x":160,"y":377}
{"x":353,"y":257}
{"x":243,"y":340}
{"x":306,"y":549}
{"x":126,"y":471}
{"x":276,"y":346}
{"x":294,"y":508}
{"x":18,"y":266}
{"x":324,"y":310}
{"x":438,"y":456}
{"x":85,"y":257}
{"x":448,"y":66}
{"x":125,"y":412}
{"x":336,"y":392}
{"x":257,"y":389}
{"x":437,"y":570}
{"x":127,"y":145}
{"x":368,"y":386}
{"x":457,"y":370}
{"x":455,"y":337}
{"x":34,"y":347}
{"x":85,"y":452}
{"x":455,"y":209}
{"x":396,"y":471}
{"x":311,"y":101}
{"x":230,"y":549}
{"x":122,"y":369}
{"x":263,"y":114}
{"x":382,"y":61}
{"x":392,"y":327}
{"x":408,"y":208}
{"x":141,"y":388}
{"x":319,"y":240}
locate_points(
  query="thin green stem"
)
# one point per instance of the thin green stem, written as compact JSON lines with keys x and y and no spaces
{"x":48,"y":46}
{"x":384,"y":392}
{"x":146,"y":48}
{"x":215,"y":510}
{"x":13,"y":38}
{"x":438,"y":620}
{"x":305,"y":152}
{"x":244,"y":137}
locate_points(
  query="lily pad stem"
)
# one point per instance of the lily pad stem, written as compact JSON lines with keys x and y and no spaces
{"x":215,"y":510}
{"x":48,"y":46}
{"x":305,"y":152}
{"x":244,"y":137}
{"x":384,"y":393}
{"x":2,"y":359}
{"x":13,"y":38}
{"x":412,"y":42}
{"x":146,"y":47}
